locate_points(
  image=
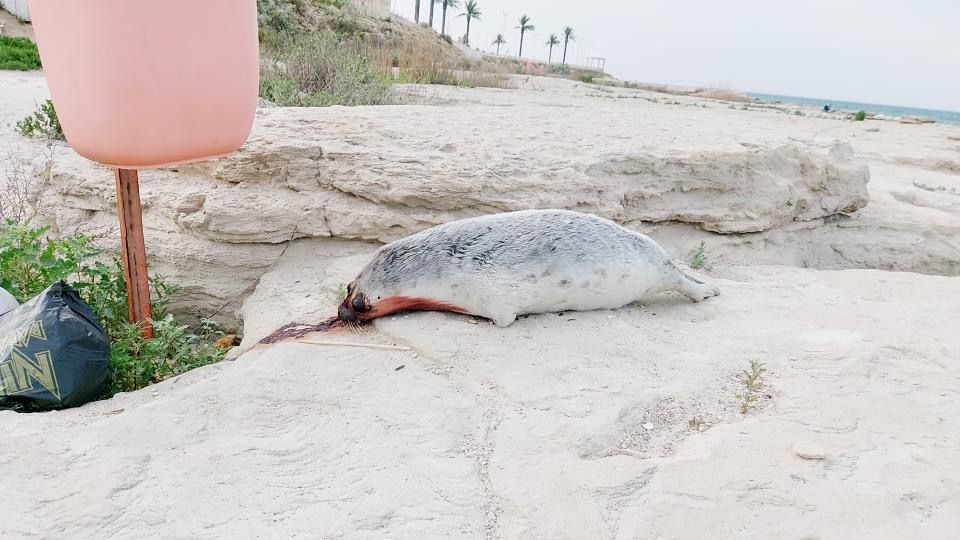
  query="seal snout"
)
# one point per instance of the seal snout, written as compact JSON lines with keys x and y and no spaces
{"x":352,"y":307}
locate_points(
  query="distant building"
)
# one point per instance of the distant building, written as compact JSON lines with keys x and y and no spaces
{"x":377,"y":8}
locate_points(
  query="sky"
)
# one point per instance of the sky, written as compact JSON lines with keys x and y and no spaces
{"x":890,"y":52}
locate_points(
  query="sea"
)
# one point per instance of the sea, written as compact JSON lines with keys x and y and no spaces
{"x":949,"y":117}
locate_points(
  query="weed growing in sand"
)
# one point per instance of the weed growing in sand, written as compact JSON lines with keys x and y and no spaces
{"x":30,"y":262}
{"x":699,"y":259}
{"x":753,"y":382}
{"x":318,"y":71}
{"x":586,"y":79}
{"x":860,"y":116}
{"x":23,"y":185}
{"x":341,"y":293}
{"x":43,"y":123}
{"x":18,"y":54}
{"x":696,"y":423}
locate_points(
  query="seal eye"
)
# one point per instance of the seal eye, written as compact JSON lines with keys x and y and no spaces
{"x":359,"y":303}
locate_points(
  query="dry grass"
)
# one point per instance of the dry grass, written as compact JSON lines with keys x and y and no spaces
{"x":717,"y":93}
{"x":721,"y":94}
{"x":321,"y":69}
{"x":22,"y":184}
{"x":410,"y":64}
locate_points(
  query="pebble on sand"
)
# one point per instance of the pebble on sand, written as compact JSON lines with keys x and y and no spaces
{"x":809,"y":451}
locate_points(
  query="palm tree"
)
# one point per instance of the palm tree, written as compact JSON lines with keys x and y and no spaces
{"x":551,"y":41}
{"x":524,"y":26}
{"x":471,"y":11}
{"x":416,"y":12}
{"x":567,"y":38}
{"x":446,"y":4}
{"x":432,"y":3}
{"x":498,"y":42}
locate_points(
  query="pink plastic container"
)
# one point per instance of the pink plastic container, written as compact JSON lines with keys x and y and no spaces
{"x":148,"y":83}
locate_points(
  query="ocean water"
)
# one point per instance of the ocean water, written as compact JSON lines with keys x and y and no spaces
{"x":949,"y":117}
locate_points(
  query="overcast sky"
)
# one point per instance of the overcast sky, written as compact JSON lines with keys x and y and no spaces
{"x":892,"y":52}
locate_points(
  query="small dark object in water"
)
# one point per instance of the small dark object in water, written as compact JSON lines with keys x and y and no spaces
{"x":297,"y":330}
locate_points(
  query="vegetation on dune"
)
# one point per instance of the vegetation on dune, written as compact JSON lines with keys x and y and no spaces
{"x":318,"y":70}
{"x":18,"y":54}
{"x":42,"y":123}
{"x":316,"y":53}
{"x":753,"y":383}
{"x":30,"y":262}
{"x":328,"y":56}
{"x":699,"y":259}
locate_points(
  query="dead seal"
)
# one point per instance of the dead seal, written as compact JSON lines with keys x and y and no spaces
{"x":503,"y":265}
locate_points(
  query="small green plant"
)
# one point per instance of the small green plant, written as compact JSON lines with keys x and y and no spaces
{"x":137,"y":362}
{"x":699,"y":259}
{"x":341,"y":293}
{"x":18,"y":54}
{"x":753,"y":382}
{"x":860,"y":116}
{"x":696,"y":423}
{"x":30,"y":262}
{"x":43,"y":123}
{"x":797,"y":112}
{"x":585,"y":78}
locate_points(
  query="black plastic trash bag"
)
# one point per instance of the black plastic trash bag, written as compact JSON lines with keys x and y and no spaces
{"x":54,"y":353}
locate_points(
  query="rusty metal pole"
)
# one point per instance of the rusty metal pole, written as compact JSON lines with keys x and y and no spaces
{"x":133,"y":249}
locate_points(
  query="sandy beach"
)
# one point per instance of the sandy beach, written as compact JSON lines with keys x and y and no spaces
{"x":836,"y":245}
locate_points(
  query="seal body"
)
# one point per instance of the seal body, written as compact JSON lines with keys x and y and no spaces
{"x":504,"y":265}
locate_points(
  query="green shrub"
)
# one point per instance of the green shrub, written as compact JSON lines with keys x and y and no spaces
{"x":586,"y":78}
{"x":43,"y":123}
{"x":18,"y":53}
{"x":860,"y":116}
{"x":753,"y":383}
{"x":319,"y":70}
{"x":274,"y":15}
{"x":29,"y":263}
{"x":699,"y":259}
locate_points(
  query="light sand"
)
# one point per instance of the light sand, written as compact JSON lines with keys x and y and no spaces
{"x":534,"y":431}
{"x":560,"y":426}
